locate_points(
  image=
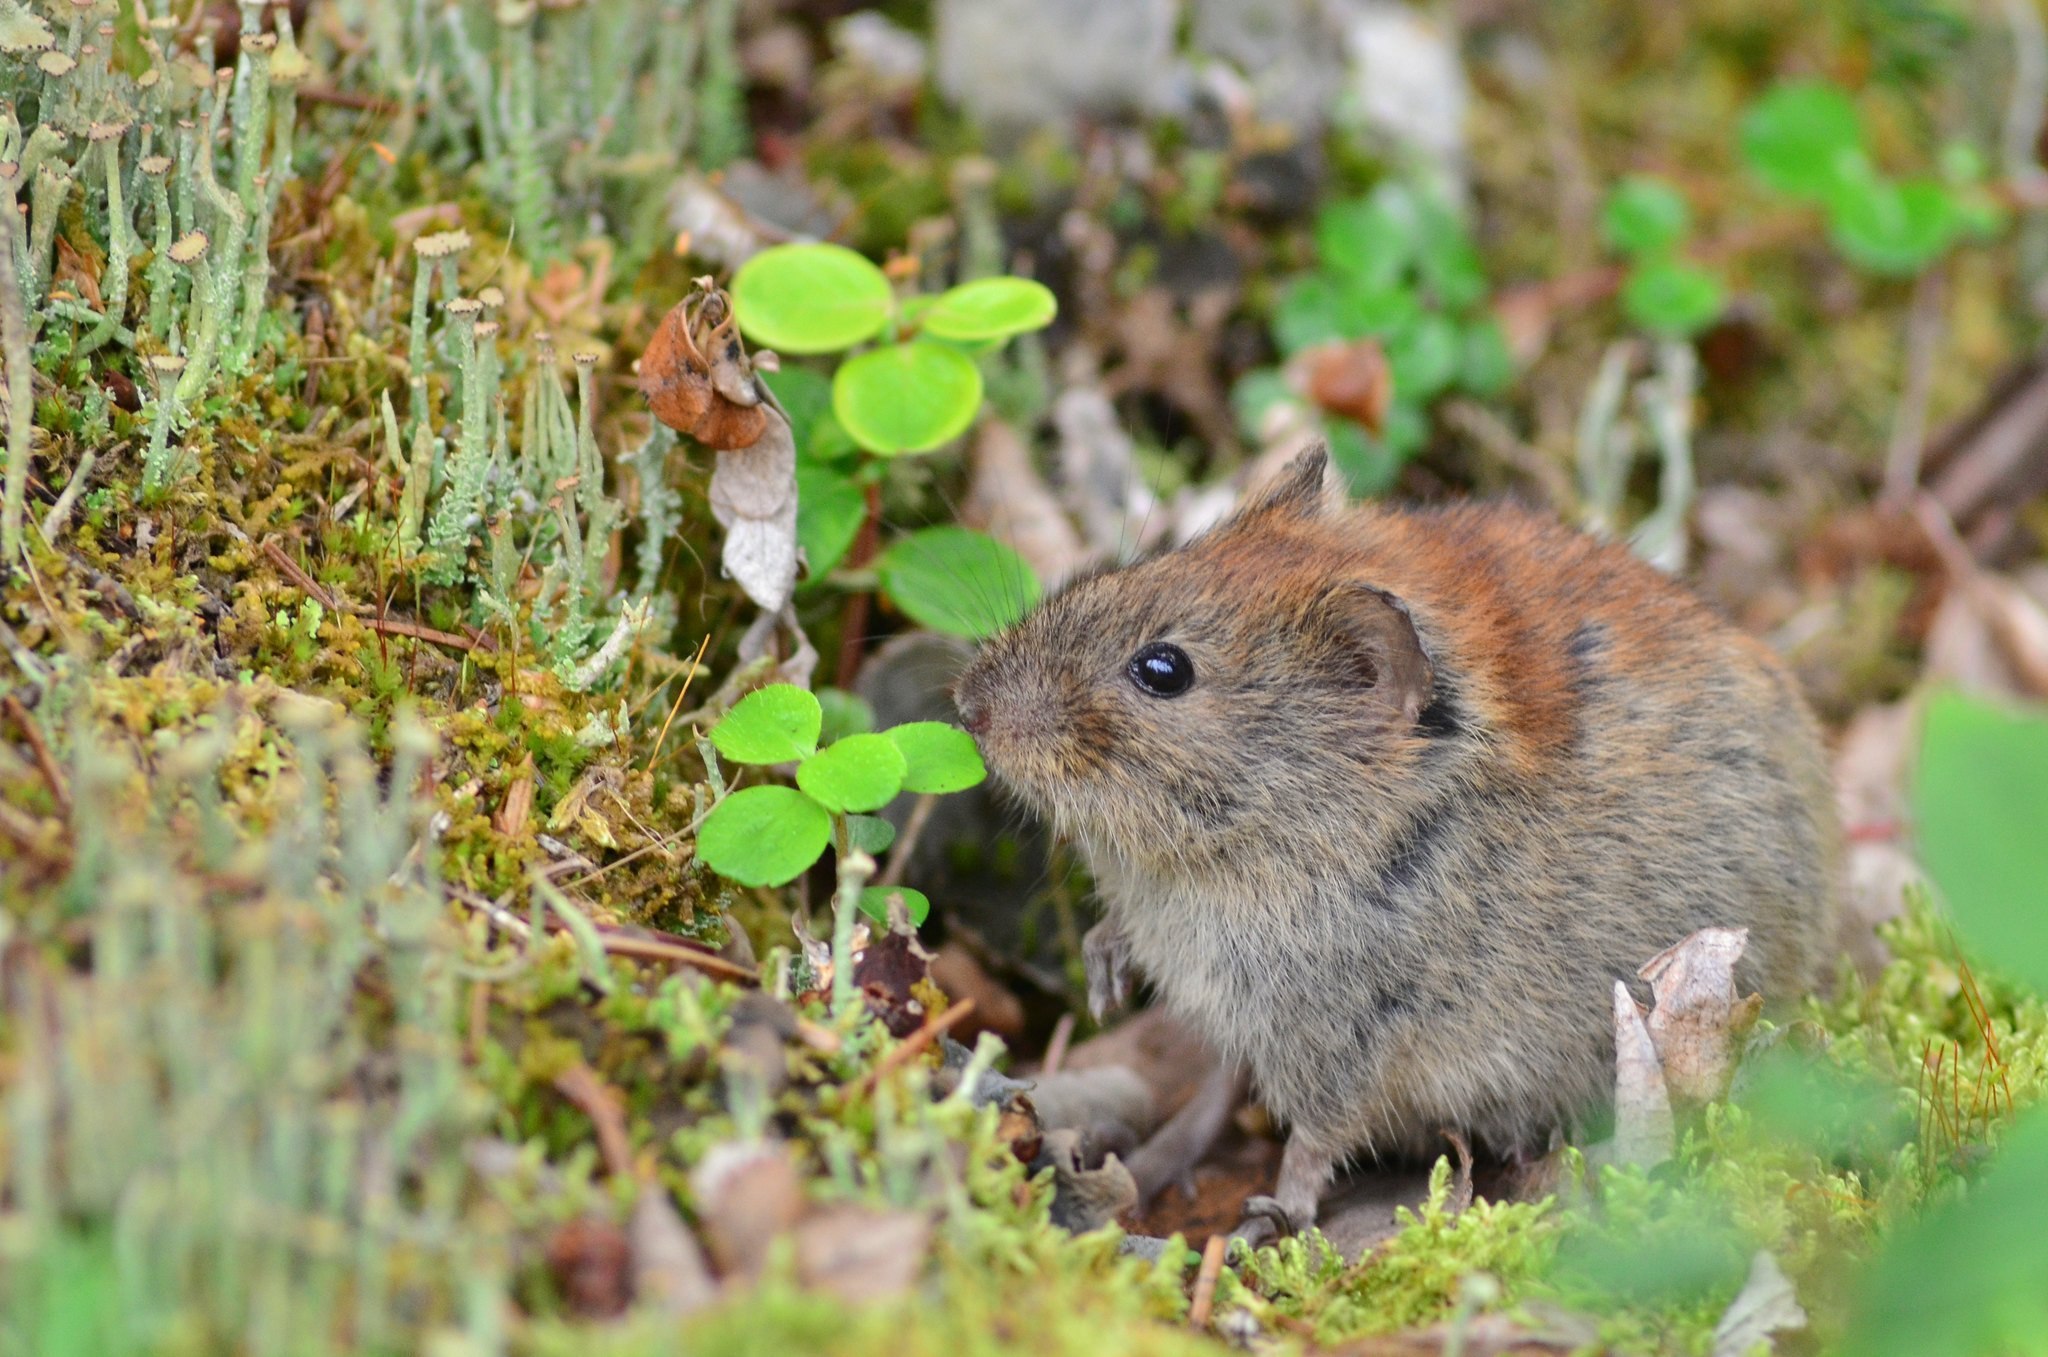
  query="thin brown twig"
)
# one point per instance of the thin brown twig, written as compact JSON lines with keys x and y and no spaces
{"x":311,"y":587}
{"x":606,"y":1109}
{"x":676,"y":706}
{"x":906,"y":843}
{"x":46,"y":762}
{"x":1205,"y":1281}
{"x":398,"y":626}
{"x":913,"y":1045}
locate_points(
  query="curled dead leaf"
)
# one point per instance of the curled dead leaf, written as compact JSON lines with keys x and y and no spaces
{"x":1644,"y":1131}
{"x":1352,"y":379}
{"x":696,"y":377}
{"x":861,"y":1255}
{"x":746,"y":1194}
{"x":1698,"y":1015}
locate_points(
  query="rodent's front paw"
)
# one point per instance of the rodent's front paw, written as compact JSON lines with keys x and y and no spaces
{"x":1266,"y":1220}
{"x":1107,"y":958}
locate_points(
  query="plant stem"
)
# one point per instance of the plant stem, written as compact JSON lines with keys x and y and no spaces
{"x":855,"y":867}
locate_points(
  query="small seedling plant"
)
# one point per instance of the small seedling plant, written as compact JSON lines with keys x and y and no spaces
{"x":770,"y":835}
{"x":1398,"y":267}
{"x":1805,"y":140}
{"x":909,"y":385}
{"x":1647,"y":222}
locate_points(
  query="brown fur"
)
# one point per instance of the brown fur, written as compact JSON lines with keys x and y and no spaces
{"x":1443,"y":776}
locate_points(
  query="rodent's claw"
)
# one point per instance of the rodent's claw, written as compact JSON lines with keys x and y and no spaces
{"x":1107,"y":959}
{"x":1266,"y":1220}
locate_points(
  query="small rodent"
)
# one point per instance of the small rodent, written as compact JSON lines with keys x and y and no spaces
{"x":1383,"y":803}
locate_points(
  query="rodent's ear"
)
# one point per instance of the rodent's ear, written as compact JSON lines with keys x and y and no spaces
{"x":1375,"y":626}
{"x":1297,"y":492}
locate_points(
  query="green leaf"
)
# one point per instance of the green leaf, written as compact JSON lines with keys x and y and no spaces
{"x":874,"y":902}
{"x":810,"y":298}
{"x":845,"y":714}
{"x":991,"y":308}
{"x":958,"y":581}
{"x":1309,"y":312}
{"x":775,"y":724}
{"x":829,"y":511}
{"x":806,"y":397}
{"x":1894,"y":228}
{"x":1424,"y":358}
{"x":1980,"y":798}
{"x":1965,"y":1276}
{"x":1644,"y":216}
{"x":1803,"y":138}
{"x":906,"y":397}
{"x":1668,"y":297}
{"x":937,"y":757}
{"x":870,"y":833}
{"x":764,"y":836}
{"x":1368,"y":465}
{"x":1366,"y":241}
{"x":859,"y":773}
{"x":1488,"y":367}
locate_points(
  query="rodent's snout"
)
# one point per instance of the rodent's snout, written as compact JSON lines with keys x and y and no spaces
{"x":973,"y":714}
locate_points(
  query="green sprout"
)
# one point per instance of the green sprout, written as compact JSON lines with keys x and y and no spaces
{"x":1648,"y":222}
{"x":770,"y":835}
{"x":1398,"y":267}
{"x":917,"y":390}
{"x":1805,"y":140}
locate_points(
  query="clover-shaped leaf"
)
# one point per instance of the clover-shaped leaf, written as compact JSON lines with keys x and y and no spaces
{"x":1669,"y":297}
{"x":990,"y":308}
{"x":958,"y":581}
{"x":1644,"y":216}
{"x":859,"y":773}
{"x":1803,"y":138}
{"x":776,"y":724}
{"x":764,"y":836}
{"x":906,"y":397}
{"x":810,"y":298}
{"x":937,"y":757}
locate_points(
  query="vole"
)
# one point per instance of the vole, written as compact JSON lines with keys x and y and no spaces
{"x":1383,"y":803}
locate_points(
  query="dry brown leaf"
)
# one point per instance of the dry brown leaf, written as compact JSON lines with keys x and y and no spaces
{"x":1009,"y":500}
{"x":1765,"y":1306}
{"x":590,"y":1261}
{"x":517,"y":805}
{"x":760,"y":525}
{"x":859,"y":1254}
{"x":670,"y":1274}
{"x":1698,"y":1014}
{"x":746,"y":1194}
{"x":1351,"y":379}
{"x":1644,"y":1131}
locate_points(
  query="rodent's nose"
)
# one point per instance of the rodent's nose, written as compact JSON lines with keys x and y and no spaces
{"x":973,"y":714}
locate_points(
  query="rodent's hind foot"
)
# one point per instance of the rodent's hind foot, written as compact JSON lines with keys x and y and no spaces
{"x":1106,"y":956}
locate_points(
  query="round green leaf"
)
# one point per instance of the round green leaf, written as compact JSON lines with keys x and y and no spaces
{"x":770,"y":725}
{"x":991,"y":308}
{"x":1488,"y":367}
{"x":1424,"y":357}
{"x":870,"y":833}
{"x":829,"y":510}
{"x":1894,"y":228}
{"x":1644,"y":216}
{"x":958,"y":581}
{"x":1368,"y":465}
{"x":805,"y":396}
{"x":764,"y":836}
{"x":1366,"y":240}
{"x":937,"y":757}
{"x":1802,"y":138}
{"x":845,"y":714}
{"x":860,"y":773}
{"x":810,"y":298}
{"x":1980,"y":799}
{"x":1667,"y":297}
{"x":874,"y":902}
{"x":906,"y":397}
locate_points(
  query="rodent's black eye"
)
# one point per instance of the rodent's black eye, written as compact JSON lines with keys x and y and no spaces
{"x":1162,"y":670}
